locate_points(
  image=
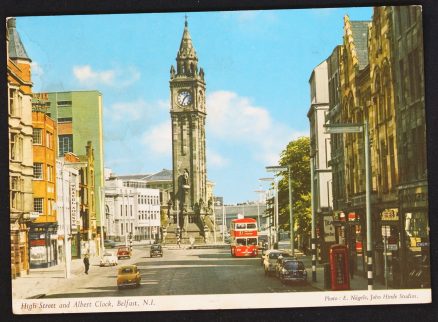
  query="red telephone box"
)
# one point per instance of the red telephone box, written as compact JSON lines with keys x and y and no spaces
{"x":339,"y":268}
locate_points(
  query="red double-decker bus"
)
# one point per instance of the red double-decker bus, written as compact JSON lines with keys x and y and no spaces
{"x":244,"y":240}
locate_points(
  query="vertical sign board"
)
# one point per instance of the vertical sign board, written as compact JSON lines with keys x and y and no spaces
{"x":73,"y":209}
{"x":329,"y":229}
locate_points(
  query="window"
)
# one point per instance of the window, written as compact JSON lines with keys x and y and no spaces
{"x":49,"y":140}
{"x":392,"y":162}
{"x":38,"y":171}
{"x":65,"y":144}
{"x":49,"y":173}
{"x":37,"y":136}
{"x":13,"y":146}
{"x":64,"y":103}
{"x":16,"y":194}
{"x":64,"y":119}
{"x":38,"y":205}
{"x":14,"y":102}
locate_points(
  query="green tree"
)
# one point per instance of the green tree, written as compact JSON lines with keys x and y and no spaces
{"x":297,"y":156}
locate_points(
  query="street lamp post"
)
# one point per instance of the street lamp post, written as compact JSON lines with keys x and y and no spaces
{"x":258,"y":208}
{"x":277,"y":169}
{"x":275,"y":210}
{"x":361,"y":128}
{"x":291,"y":216}
{"x":312,"y":206}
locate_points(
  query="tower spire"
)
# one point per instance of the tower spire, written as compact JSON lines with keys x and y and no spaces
{"x":187,"y":60}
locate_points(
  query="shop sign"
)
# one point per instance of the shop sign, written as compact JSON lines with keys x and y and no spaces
{"x":352,"y":216}
{"x":73,"y":209}
{"x":392,"y":247}
{"x":338,"y":216}
{"x":422,"y":244}
{"x":329,"y":229}
{"x":389,"y":215}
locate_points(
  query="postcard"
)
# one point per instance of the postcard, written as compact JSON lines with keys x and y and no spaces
{"x":217,"y":160}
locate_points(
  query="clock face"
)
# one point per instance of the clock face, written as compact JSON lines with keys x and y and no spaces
{"x":184,"y":98}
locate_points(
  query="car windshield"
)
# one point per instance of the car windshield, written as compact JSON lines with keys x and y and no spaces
{"x":123,"y":249}
{"x":274,"y":255}
{"x":107,"y":254}
{"x":294,"y":265}
{"x":156,"y":247}
{"x":126,"y":270}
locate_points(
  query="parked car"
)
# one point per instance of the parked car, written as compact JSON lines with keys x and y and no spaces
{"x":108,"y":243}
{"x":123,"y":252}
{"x":128,"y":275}
{"x":283,"y":257}
{"x":156,"y":250}
{"x":270,"y":260}
{"x":108,"y":259}
{"x":292,"y":271}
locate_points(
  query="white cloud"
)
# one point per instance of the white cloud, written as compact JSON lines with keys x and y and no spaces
{"x":158,"y":139}
{"x":37,"y":70}
{"x":117,"y":77}
{"x":236,"y":119}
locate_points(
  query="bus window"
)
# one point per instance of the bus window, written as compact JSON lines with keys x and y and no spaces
{"x":241,"y":241}
{"x":252,"y":241}
{"x":251,"y":226}
{"x":240,"y":226}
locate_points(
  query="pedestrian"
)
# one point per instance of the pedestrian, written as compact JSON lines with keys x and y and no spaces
{"x":86,"y":263}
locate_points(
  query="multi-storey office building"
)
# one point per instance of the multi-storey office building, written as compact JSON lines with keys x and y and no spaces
{"x":20,"y":147}
{"x":131,"y":209}
{"x":320,"y":154}
{"x":79,"y":117}
{"x":43,"y":230}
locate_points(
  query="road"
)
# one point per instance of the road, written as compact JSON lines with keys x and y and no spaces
{"x":179,"y":272}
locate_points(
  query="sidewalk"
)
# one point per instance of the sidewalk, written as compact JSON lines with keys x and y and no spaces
{"x":358,"y":282}
{"x":41,"y":281}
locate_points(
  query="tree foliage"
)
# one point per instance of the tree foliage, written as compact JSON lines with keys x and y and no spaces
{"x":296,"y":155}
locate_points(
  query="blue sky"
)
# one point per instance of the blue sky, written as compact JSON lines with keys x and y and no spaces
{"x":257,"y":65}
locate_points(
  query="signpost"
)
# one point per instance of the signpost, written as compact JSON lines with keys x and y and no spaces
{"x":361,"y":128}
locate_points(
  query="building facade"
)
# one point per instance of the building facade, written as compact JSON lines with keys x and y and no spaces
{"x":80,"y":120}
{"x":43,"y":230}
{"x":20,"y":148}
{"x":320,"y":155}
{"x":412,"y":187}
{"x":68,"y":208}
{"x":132,"y":210}
{"x":381,"y":79}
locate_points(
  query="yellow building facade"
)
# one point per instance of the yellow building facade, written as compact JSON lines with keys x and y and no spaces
{"x":43,"y":230}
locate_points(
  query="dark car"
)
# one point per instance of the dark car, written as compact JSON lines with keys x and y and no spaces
{"x":108,"y":243}
{"x":123,"y":252}
{"x":292,"y":271}
{"x":280,"y":259}
{"x":156,"y":250}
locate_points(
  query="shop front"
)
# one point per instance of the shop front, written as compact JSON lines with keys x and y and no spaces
{"x":388,"y":247}
{"x":415,"y":252}
{"x":43,"y":245}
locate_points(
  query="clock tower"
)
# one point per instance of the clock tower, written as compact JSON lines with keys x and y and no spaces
{"x":188,"y":113}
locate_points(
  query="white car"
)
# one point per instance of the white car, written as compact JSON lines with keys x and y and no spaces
{"x":270,"y":260}
{"x":108,"y":259}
